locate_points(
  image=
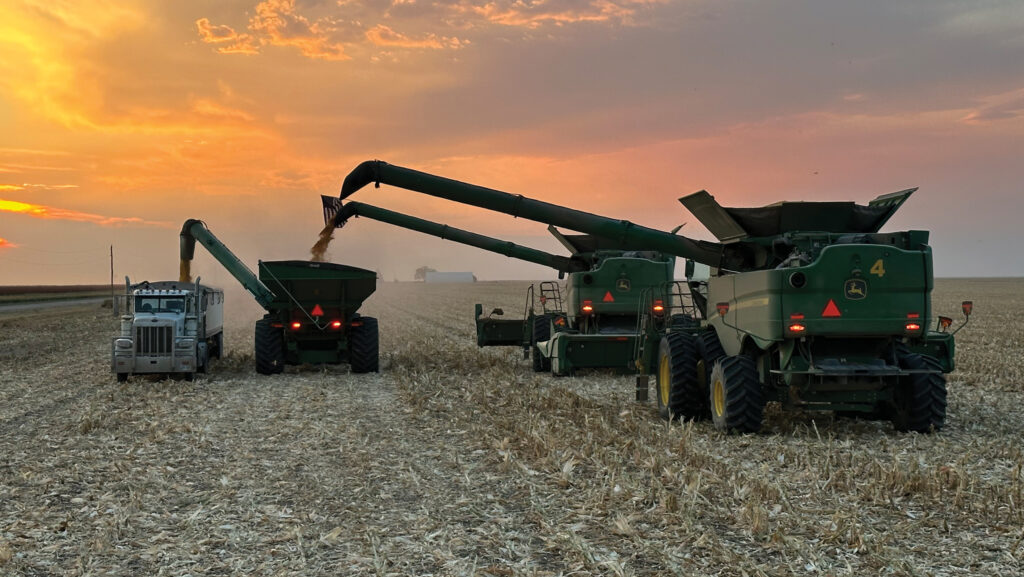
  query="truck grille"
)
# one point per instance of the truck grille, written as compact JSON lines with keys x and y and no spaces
{"x":153,"y":340}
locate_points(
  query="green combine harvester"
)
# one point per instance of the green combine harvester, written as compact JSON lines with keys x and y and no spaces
{"x":808,"y":304}
{"x":311,"y":307}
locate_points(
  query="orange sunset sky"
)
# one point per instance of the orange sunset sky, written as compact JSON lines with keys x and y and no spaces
{"x":122,"y":119}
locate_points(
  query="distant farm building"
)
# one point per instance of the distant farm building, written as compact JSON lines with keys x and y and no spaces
{"x":438,"y":276}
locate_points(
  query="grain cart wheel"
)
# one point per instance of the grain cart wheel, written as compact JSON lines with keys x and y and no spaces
{"x":920,"y":398}
{"x":364,"y":346}
{"x":541,"y":332}
{"x":122,"y":377}
{"x":269,"y":348}
{"x":679,"y":393}
{"x":737,"y":401}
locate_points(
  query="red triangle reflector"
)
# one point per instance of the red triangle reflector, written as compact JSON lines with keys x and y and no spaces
{"x":831,"y":310}
{"x":608,"y":298}
{"x":317,"y":311}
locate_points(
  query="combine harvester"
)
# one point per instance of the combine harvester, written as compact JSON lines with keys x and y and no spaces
{"x":311,"y":307}
{"x":812,"y":306}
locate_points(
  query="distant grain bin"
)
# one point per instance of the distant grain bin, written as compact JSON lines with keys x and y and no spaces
{"x":439,"y":276}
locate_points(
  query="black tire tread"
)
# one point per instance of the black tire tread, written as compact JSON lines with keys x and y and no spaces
{"x":744,"y":397}
{"x":364,"y":346}
{"x":686,"y":399}
{"x":920,"y":397}
{"x":268,"y":348}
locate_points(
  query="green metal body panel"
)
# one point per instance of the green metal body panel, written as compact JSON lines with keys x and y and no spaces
{"x":570,"y":351}
{"x":616,"y":285}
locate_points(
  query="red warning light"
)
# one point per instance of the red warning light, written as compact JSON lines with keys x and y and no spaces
{"x":608,"y":298}
{"x":913,"y":327}
{"x":296,"y":325}
{"x":336,"y":325}
{"x":588,"y":307}
{"x":659,"y":307}
{"x":722,"y":308}
{"x":831,"y":310}
{"x":317,"y":311}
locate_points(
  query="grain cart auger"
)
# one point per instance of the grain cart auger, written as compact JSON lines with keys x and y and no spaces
{"x":311,"y":307}
{"x":808,"y":304}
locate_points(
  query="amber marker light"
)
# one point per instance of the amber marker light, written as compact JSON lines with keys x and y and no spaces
{"x":588,"y":307}
{"x":296,"y":325}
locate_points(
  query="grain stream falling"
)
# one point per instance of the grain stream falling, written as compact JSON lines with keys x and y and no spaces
{"x":319,"y":250}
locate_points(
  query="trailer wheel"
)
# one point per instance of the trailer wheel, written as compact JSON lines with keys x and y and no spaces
{"x":541,"y":332}
{"x":679,"y":393}
{"x":122,"y":377}
{"x":364,"y":346}
{"x":920,"y":398}
{"x":269,"y":348}
{"x":737,"y":401}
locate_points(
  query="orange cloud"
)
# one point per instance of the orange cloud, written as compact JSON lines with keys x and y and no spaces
{"x":221,"y":34}
{"x":536,"y":14}
{"x":4,"y":187}
{"x":4,"y":243}
{"x":47,"y":212}
{"x":382,"y":35}
{"x":277,"y":23}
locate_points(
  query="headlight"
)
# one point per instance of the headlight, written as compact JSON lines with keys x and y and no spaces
{"x":123,"y":343}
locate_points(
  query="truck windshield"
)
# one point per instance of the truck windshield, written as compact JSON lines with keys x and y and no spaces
{"x":153,"y":304}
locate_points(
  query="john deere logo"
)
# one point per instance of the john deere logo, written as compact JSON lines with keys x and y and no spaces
{"x":856,"y":289}
{"x":623,"y":284}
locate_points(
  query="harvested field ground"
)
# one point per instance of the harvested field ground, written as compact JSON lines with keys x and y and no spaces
{"x":461,"y":461}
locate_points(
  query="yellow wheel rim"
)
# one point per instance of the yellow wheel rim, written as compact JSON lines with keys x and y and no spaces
{"x":664,"y":376}
{"x":718,"y":395}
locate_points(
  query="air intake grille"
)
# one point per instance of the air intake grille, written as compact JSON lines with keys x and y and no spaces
{"x":153,"y":340}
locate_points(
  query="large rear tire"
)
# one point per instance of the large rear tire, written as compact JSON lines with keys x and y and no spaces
{"x":920,"y":398}
{"x":269,"y":348}
{"x":737,"y":400}
{"x":679,"y":393}
{"x":541,"y":332}
{"x":364,"y":346}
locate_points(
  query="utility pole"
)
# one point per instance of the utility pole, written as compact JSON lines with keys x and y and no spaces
{"x":113,"y":300}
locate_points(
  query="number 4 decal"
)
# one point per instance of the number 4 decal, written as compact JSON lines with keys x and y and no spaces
{"x":878,"y":268}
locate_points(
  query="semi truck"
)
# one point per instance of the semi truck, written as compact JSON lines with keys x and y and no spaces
{"x":169,"y":327}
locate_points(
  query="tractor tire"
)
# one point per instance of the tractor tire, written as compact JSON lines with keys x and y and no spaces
{"x":269,"y":348}
{"x":541,"y":332}
{"x":679,"y":393}
{"x":737,"y":400}
{"x":709,"y":351}
{"x":364,"y":346}
{"x":920,"y":398}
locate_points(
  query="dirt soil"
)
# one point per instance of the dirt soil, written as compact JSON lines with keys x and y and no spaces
{"x":456,"y":460}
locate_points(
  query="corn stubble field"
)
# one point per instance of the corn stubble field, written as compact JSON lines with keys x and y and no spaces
{"x":461,"y":461}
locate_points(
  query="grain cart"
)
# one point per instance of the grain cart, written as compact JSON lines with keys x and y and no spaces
{"x":311,"y":307}
{"x":169,"y":327}
{"x":594,"y":326}
{"x":808,"y":304}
